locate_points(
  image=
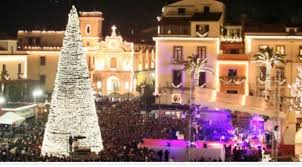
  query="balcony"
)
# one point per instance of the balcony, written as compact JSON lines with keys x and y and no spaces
{"x":241,"y":57}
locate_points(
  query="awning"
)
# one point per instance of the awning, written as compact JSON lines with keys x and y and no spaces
{"x":250,"y":104}
{"x":10,"y":118}
{"x":26,"y":113}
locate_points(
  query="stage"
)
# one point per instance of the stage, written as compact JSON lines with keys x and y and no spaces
{"x":178,"y":149}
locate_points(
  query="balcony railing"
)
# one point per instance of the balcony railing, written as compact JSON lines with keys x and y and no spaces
{"x":231,"y":39}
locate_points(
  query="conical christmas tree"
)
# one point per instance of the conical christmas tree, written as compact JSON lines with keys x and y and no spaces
{"x":73,"y":112}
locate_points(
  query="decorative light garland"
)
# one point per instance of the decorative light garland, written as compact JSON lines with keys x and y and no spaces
{"x":6,"y":77}
{"x":176,"y":86}
{"x":233,"y":81}
{"x":202,"y":35}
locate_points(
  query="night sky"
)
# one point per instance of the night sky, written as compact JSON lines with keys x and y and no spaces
{"x":33,"y":14}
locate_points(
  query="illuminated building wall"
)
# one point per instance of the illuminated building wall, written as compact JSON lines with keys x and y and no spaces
{"x":40,"y":50}
{"x":186,"y":25}
{"x":15,"y":65}
{"x":289,"y":45}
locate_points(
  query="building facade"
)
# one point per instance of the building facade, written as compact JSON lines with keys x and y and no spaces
{"x":199,"y":27}
{"x":114,"y":64}
{"x":186,"y":27}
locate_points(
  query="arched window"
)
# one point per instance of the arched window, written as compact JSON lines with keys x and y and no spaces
{"x":88,"y":29}
{"x":113,"y":62}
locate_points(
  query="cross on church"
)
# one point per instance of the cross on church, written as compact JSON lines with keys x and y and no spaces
{"x":113,"y":30}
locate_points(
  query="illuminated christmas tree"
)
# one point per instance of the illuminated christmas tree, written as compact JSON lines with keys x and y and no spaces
{"x":296,"y":92}
{"x":73,"y":113}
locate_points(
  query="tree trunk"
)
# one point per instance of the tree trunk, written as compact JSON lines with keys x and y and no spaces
{"x":188,"y":136}
{"x":267,"y":80}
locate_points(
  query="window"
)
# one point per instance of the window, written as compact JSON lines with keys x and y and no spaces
{"x":113,"y":62}
{"x":177,"y":77}
{"x":202,"y":52}
{"x":232,"y":73}
{"x":38,"y":41}
{"x":30,"y":41}
{"x":202,"y":29}
{"x":19,"y":68}
{"x":42,"y":79}
{"x":4,"y":67}
{"x":232,"y":91}
{"x":178,"y":54}
{"x":262,"y":47}
{"x":88,"y":29}
{"x":206,"y":9}
{"x":280,"y":49}
{"x":42,"y":61}
{"x":181,"y":11}
{"x":262,"y":73}
{"x":202,"y":78}
{"x":300,"y":51}
{"x":89,"y":59}
{"x":280,"y":73}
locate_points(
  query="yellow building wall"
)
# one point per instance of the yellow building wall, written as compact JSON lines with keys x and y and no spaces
{"x":291,"y":58}
{"x":165,"y":65}
{"x":49,"y":69}
{"x":11,"y":62}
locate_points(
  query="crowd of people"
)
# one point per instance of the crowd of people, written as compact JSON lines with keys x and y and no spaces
{"x":123,"y":127}
{"x":24,"y":144}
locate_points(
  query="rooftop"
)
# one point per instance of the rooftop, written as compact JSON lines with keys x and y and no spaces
{"x":91,"y":14}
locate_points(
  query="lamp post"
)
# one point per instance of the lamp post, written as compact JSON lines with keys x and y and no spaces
{"x":277,"y":128}
{"x":2,"y":102}
{"x":37,"y":93}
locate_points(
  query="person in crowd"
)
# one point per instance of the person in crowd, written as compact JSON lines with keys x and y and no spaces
{"x":160,"y":155}
{"x":167,"y":153}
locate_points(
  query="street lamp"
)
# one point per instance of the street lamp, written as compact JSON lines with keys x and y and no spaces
{"x":2,"y":101}
{"x":37,"y":93}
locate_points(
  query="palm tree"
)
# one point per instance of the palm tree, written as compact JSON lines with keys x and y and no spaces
{"x":194,"y":65}
{"x":268,"y":58}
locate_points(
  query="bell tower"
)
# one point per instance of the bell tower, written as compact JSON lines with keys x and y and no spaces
{"x":91,"y":24}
